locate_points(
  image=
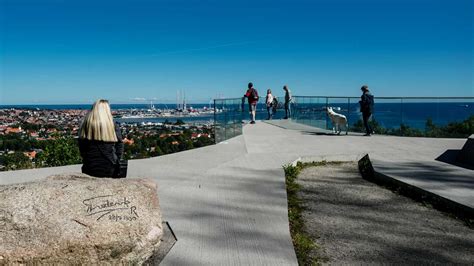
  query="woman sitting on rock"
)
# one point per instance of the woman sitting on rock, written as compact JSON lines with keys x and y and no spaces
{"x":100,"y":142}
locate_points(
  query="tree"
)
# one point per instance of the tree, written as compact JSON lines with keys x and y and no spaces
{"x":179,"y":122}
{"x":63,"y":151}
{"x":452,"y":130}
{"x":29,"y":126}
{"x":185,"y":145}
{"x":15,"y":161}
{"x":156,"y":152}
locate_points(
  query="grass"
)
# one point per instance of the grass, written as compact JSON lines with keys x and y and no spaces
{"x":302,"y":242}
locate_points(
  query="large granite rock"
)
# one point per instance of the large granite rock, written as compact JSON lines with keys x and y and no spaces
{"x":77,"y":219}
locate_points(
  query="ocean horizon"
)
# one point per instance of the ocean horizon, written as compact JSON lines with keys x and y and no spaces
{"x":89,"y":106}
{"x":388,"y":115}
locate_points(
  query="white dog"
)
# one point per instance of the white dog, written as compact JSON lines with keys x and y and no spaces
{"x":338,"y":121}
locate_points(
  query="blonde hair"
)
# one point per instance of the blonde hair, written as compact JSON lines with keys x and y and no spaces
{"x":98,"y":123}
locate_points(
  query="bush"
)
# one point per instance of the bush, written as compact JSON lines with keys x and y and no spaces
{"x":15,"y":161}
{"x":63,"y":151}
{"x":452,"y":130}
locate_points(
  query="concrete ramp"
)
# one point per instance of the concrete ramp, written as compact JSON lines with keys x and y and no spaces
{"x":446,"y":187}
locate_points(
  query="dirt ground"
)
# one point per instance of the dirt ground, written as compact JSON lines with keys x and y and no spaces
{"x":357,"y":222}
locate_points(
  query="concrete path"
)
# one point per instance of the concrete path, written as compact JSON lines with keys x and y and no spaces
{"x":227,"y":202}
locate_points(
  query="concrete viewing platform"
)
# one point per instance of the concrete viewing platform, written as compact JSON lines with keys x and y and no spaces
{"x":227,"y":202}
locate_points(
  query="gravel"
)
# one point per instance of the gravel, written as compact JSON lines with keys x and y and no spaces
{"x":357,"y":222}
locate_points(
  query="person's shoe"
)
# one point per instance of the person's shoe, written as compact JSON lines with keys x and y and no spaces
{"x":285,"y":117}
{"x":367,"y":135}
{"x":252,"y":122}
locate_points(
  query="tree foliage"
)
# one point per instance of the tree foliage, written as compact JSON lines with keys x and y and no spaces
{"x":15,"y":161}
{"x":452,"y":130}
{"x":62,"y":151}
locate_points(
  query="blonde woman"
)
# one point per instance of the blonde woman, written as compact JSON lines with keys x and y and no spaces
{"x":100,"y":142}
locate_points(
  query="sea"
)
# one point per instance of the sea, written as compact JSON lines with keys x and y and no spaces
{"x":387,"y":114}
{"x":392,"y":115}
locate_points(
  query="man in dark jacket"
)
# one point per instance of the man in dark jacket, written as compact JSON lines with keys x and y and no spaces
{"x":288,"y":100}
{"x":366,"y":108}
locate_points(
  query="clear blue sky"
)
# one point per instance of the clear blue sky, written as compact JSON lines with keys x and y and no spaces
{"x":68,"y":51}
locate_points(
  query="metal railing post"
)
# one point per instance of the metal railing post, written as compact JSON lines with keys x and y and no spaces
{"x":234,"y":117}
{"x":215,"y":123}
{"x":327,"y":105}
{"x":348,"y":112}
{"x":224,"y":105}
{"x":401,"y":116}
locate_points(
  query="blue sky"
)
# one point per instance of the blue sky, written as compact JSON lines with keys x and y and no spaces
{"x":68,"y":51}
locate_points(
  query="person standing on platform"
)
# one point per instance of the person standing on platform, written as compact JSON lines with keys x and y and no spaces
{"x":366,"y":108}
{"x":269,"y":103}
{"x":252,"y":96}
{"x":287,"y":102}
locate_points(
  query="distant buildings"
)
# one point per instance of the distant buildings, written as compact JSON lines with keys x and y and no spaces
{"x":29,"y":131}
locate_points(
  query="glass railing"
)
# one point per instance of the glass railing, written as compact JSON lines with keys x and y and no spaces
{"x":230,"y":114}
{"x":227,"y":118}
{"x":404,"y":116}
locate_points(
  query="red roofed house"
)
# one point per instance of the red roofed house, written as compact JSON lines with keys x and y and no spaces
{"x":31,"y":154}
{"x":128,"y":141}
{"x":13,"y":130}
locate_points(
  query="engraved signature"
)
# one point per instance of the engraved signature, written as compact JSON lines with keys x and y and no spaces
{"x":106,"y":204}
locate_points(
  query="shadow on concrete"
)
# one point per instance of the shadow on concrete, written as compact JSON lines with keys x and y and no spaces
{"x":357,"y":222}
{"x":241,"y":206}
{"x":450,"y":157}
{"x":430,"y":172}
{"x":329,"y":133}
{"x":317,"y":133}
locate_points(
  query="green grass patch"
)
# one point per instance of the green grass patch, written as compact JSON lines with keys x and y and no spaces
{"x":302,"y":242}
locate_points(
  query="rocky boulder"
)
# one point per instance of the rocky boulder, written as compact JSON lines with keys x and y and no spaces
{"x":78,"y":219}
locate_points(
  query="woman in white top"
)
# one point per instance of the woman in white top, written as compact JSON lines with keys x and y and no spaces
{"x":269,"y":103}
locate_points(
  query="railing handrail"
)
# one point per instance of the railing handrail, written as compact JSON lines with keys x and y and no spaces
{"x":306,"y":111}
{"x":227,"y":99}
{"x":391,"y":97}
{"x":377,"y":97}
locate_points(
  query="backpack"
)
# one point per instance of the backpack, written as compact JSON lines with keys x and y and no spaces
{"x":275,"y":103}
{"x":370,"y":102}
{"x":254,"y":94}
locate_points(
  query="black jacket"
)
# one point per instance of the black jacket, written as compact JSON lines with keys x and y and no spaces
{"x":366,"y":103}
{"x":97,"y":156}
